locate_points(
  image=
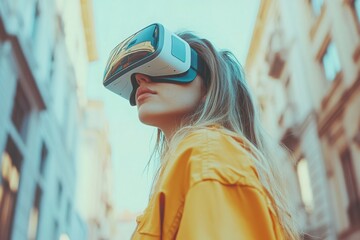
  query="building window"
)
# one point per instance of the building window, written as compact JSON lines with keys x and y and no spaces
{"x":59,"y":193}
{"x":353,"y":210}
{"x":36,"y":19}
{"x":21,"y":112}
{"x":68,"y":213}
{"x":11,"y":161}
{"x":303,"y":175}
{"x":317,"y":6}
{"x":52,"y":65}
{"x":356,"y":6}
{"x":55,"y":232}
{"x":60,"y":31}
{"x":44,"y":156}
{"x":35,"y":215}
{"x":330,"y":62}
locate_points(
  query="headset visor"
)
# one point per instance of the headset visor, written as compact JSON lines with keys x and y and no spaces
{"x":132,"y":50}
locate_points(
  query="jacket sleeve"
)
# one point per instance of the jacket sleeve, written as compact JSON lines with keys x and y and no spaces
{"x":213,"y":210}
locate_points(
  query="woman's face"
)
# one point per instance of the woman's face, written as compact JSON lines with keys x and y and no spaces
{"x":165,"y":104}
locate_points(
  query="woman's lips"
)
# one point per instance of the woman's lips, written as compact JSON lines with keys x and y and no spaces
{"x":143,"y":92}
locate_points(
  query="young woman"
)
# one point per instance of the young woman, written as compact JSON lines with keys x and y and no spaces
{"x":217,"y":178}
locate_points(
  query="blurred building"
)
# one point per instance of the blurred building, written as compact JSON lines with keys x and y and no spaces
{"x":304,"y":60}
{"x":126,"y":224}
{"x":45,"y":47}
{"x":95,"y":185}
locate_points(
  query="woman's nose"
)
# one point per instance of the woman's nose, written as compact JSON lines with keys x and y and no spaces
{"x":141,"y":78}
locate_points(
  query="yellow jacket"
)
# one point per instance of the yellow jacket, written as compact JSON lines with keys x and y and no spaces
{"x":210,"y":190}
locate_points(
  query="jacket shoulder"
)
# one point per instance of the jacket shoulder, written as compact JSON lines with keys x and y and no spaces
{"x":219,"y":155}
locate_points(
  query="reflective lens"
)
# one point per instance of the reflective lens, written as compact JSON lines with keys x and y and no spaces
{"x":132,"y":50}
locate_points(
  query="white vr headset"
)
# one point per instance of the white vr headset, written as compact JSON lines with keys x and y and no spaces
{"x":155,"y":52}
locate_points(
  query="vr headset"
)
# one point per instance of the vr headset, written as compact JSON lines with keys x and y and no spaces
{"x":155,"y":52}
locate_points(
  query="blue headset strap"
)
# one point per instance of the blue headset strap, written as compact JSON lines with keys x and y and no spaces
{"x":197,"y":66}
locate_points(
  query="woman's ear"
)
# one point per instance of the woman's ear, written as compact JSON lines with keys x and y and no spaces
{"x":203,"y":99}
{"x":203,"y":89}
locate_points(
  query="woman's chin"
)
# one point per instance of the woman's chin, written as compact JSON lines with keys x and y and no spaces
{"x":148,"y":118}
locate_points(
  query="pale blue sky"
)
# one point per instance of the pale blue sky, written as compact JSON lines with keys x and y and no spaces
{"x":228,"y":24}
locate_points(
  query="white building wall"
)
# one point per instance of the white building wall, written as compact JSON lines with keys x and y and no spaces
{"x":324,"y":115}
{"x":95,"y":185}
{"x":303,"y":75}
{"x":56,"y":55}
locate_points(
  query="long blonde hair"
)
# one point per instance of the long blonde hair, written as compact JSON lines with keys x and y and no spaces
{"x":229,"y":103}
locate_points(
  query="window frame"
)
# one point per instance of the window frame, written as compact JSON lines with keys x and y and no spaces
{"x":9,"y":191}
{"x":314,"y":10}
{"x":332,"y":54}
{"x":356,"y":14}
{"x":308,"y":203}
{"x":323,"y":51}
{"x":351,"y":184}
{"x":21,"y":100}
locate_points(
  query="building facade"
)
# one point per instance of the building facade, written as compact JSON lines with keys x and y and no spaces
{"x":44,"y":54}
{"x":95,"y":181}
{"x":304,"y":61}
